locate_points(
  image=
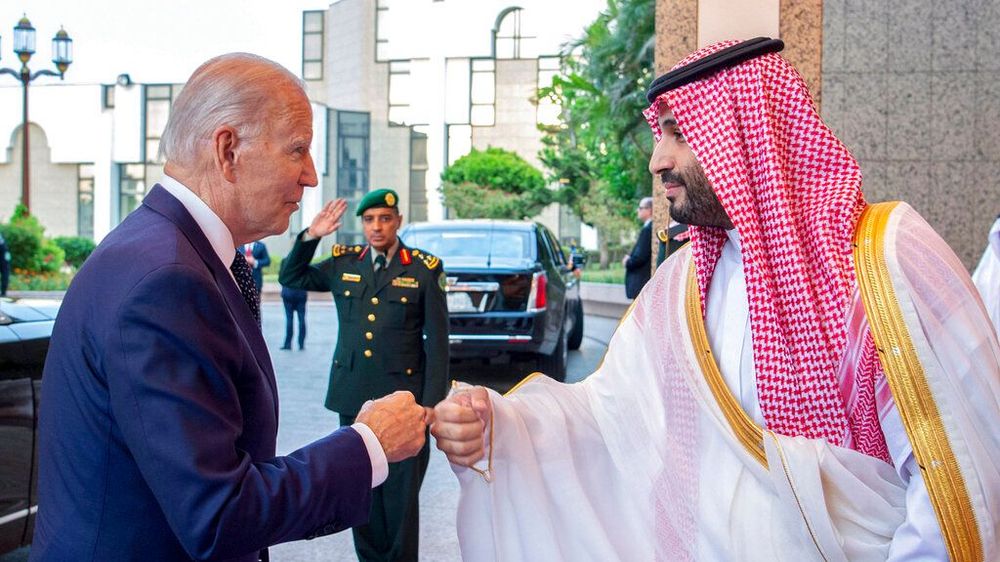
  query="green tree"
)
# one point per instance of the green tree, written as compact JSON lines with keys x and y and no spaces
{"x":29,"y":249}
{"x":494,"y":183}
{"x":76,"y":248}
{"x":600,"y":151}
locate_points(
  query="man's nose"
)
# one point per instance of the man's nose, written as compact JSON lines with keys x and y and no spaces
{"x":661,"y":160}
{"x":309,"y":177}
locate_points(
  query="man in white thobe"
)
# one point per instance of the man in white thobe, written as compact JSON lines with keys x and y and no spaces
{"x":987,"y":275}
{"x":812,"y":378}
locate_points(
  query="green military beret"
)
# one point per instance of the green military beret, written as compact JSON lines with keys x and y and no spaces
{"x":378,"y":198}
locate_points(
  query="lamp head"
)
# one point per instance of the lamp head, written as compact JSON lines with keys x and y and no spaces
{"x":24,"y":39}
{"x":62,"y":50}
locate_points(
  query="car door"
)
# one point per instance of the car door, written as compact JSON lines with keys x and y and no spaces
{"x":556,"y":285}
{"x":16,"y":440}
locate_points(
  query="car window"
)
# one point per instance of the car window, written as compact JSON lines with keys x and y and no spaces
{"x":554,"y":248}
{"x":473,"y":243}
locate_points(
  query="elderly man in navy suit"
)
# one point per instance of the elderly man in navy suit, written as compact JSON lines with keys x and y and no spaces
{"x":159,"y":407}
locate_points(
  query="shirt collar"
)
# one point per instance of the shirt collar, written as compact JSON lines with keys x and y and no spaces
{"x":388,"y":255}
{"x":733,"y":249}
{"x":211,"y":225}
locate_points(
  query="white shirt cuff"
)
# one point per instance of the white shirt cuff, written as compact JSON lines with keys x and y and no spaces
{"x":380,"y":465}
{"x":306,"y":237}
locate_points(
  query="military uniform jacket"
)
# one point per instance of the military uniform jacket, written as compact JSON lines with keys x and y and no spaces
{"x":393,"y":333}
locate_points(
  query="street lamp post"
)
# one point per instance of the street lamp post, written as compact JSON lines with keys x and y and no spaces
{"x":62,"y":57}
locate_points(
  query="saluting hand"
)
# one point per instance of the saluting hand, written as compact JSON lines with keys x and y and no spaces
{"x":459,"y":425}
{"x":398,"y":423}
{"x":328,"y":219}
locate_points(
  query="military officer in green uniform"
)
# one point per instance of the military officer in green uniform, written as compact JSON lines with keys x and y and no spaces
{"x":393,"y":335}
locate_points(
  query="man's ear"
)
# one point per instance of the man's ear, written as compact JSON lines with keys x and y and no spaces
{"x":224,"y":143}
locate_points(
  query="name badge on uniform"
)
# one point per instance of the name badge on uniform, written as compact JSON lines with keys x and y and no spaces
{"x":353,"y":277}
{"x":408,"y":282}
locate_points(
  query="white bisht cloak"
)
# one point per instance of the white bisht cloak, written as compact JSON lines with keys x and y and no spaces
{"x":625,"y":465}
{"x":987,"y":275}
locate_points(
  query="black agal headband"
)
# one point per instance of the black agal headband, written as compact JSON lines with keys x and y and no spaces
{"x":730,"y":56}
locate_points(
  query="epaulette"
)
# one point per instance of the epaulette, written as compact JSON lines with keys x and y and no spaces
{"x":345,"y":250}
{"x":430,"y":261}
{"x":662,"y":235}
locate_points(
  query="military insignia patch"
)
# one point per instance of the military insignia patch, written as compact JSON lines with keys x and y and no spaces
{"x":407,"y":282}
{"x":443,"y":282}
{"x":430,"y":261}
{"x":342,"y":250}
{"x":352,"y":277}
{"x":390,"y":199}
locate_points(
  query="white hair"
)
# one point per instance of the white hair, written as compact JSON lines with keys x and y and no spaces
{"x":234,"y":89}
{"x":646,"y":202}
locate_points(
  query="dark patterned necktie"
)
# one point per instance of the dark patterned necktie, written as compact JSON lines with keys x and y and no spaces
{"x":379,"y":266}
{"x":244,"y":279}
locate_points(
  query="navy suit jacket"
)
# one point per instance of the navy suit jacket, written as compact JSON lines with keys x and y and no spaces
{"x":159,"y":414}
{"x":263,"y":259}
{"x":637,"y":272}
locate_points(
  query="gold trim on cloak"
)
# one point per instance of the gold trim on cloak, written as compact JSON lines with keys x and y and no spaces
{"x":945,"y":484}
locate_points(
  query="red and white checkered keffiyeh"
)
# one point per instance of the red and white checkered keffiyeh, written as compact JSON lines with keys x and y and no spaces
{"x":793,"y":192}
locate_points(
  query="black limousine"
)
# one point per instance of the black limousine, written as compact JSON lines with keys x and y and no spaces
{"x":511,"y":290}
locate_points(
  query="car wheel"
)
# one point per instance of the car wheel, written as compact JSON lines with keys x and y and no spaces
{"x":576,"y":334}
{"x":555,"y":365}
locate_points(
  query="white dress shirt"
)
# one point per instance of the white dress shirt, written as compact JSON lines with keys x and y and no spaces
{"x":221,"y":239}
{"x":727,"y":321}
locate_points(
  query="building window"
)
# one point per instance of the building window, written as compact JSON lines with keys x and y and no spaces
{"x":158,"y":100}
{"x":509,"y":42}
{"x":353,"y":134}
{"x":131,"y":188}
{"x":312,"y":45}
{"x":85,"y":200}
{"x":400,"y":88}
{"x":547,"y":111}
{"x":381,"y":30}
{"x":418,"y":174}
{"x":482,"y":92}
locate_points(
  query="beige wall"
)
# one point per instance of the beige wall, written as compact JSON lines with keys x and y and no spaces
{"x":53,"y":186}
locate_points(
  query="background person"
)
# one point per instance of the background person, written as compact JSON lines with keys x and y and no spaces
{"x":295,"y":305}
{"x":4,"y":266}
{"x":393,"y":335}
{"x":159,"y":408}
{"x":257,"y":257}
{"x":637,"y":262}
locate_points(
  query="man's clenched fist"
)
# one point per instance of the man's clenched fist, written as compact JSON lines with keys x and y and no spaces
{"x":398,"y":423}
{"x":459,"y":425}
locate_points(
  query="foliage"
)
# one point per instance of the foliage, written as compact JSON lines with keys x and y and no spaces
{"x":49,"y":258}
{"x":22,"y":280}
{"x":76,"y":248}
{"x":600,"y":151}
{"x":494,"y":183}
{"x":29,"y":249}
{"x":23,"y":243}
{"x":614,"y":274}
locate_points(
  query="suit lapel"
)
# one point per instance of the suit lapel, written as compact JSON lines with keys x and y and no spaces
{"x":161,"y":201}
{"x":363,"y":268}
